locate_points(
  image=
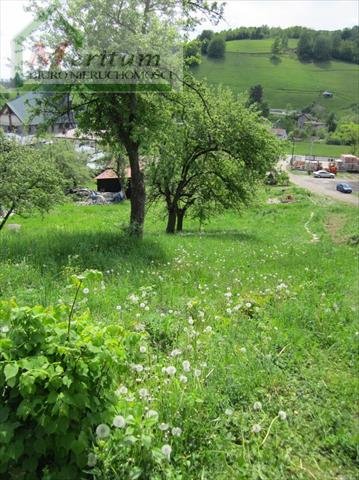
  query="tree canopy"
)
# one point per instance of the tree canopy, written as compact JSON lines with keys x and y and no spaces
{"x":210,"y":156}
{"x":29,"y":180}
{"x":216,"y":47}
{"x":127,"y":117}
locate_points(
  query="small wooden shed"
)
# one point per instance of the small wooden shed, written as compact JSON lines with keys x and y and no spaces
{"x":108,"y":181}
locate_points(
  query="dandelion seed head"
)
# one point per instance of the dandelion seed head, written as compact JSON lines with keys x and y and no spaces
{"x":176,"y":352}
{"x":86,"y":291}
{"x":171,"y":370}
{"x":152,"y":414}
{"x":166,"y":451}
{"x":102,"y":431}
{"x":256,"y":428}
{"x":176,"y":431}
{"x":91,"y":460}
{"x":282,"y":415}
{"x":121,"y":390}
{"x":257,"y":406}
{"x":119,"y":421}
{"x":143,"y":393}
{"x":186,"y":366}
{"x":163,"y":426}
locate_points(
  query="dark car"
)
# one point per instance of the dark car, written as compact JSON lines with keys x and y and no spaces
{"x":344,"y":188}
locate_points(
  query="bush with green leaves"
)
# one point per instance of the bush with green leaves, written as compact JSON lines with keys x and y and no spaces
{"x":29,"y":180}
{"x":58,"y":372}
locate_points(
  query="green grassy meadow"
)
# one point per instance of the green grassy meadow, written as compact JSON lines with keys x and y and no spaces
{"x":255,"y":46}
{"x":265,"y":315}
{"x":287,"y":82}
{"x":318,"y":149}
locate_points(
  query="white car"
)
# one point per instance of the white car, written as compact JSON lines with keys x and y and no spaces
{"x":323,"y":174}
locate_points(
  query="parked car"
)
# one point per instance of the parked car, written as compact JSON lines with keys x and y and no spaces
{"x":344,"y":188}
{"x":323,"y":174}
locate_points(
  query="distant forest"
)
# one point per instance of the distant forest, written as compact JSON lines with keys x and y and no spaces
{"x":320,"y":45}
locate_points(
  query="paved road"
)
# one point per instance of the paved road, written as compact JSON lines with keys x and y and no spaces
{"x":326,"y":186}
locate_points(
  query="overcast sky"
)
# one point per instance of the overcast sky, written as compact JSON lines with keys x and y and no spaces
{"x":318,"y":14}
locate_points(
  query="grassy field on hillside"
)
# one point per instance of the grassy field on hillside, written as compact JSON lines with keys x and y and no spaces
{"x":255,"y":46}
{"x":264,"y":314}
{"x":319,"y":149}
{"x":287,"y":83}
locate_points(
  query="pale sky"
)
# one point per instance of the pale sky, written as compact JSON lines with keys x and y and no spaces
{"x":318,"y":14}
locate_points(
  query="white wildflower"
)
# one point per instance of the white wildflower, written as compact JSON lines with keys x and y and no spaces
{"x":102,"y":431}
{"x":229,"y":411}
{"x":143,"y":349}
{"x":176,"y":431}
{"x":248,"y":304}
{"x":183,"y":378}
{"x":166,"y":451}
{"x":142,"y":305}
{"x":186,"y":366}
{"x":163,"y":426}
{"x":257,"y":406}
{"x":282,"y":415}
{"x":143,"y":393}
{"x":119,"y":308}
{"x":208,"y":329}
{"x":152,"y":414}
{"x":197,"y":372}
{"x":171,"y":370}
{"x":138,"y":367}
{"x":119,"y":421}
{"x":91,"y":460}
{"x":256,"y":428}
{"x":121,"y":390}
{"x":176,"y":352}
{"x":86,"y":291}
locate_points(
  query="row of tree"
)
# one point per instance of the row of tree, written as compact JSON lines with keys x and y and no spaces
{"x":323,"y":46}
{"x":312,"y":45}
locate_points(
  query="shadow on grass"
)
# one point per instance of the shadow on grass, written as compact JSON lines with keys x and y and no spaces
{"x":324,"y":65}
{"x":101,"y":250}
{"x":275,"y":60}
{"x":222,"y":235}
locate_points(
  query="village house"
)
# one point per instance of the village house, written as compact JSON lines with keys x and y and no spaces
{"x":16,"y":117}
{"x":307,"y":120}
{"x":280,"y":133}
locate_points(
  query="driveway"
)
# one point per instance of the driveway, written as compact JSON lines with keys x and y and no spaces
{"x":326,"y":186}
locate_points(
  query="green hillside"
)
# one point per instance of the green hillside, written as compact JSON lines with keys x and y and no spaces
{"x":286,"y":81}
{"x":255,"y":46}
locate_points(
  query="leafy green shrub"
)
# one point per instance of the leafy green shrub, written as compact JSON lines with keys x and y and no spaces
{"x":57,"y":376}
{"x":277,"y":177}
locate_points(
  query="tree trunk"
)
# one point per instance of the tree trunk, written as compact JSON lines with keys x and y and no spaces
{"x":180,"y":216}
{"x":171,"y":219}
{"x":5,"y":219}
{"x":138,"y":193}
